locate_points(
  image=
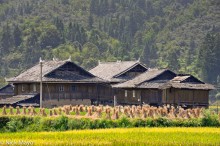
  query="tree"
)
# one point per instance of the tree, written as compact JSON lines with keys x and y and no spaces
{"x":17,"y":34}
{"x":90,"y":21}
{"x":7,"y":39}
{"x":50,"y":37}
{"x":209,"y":57}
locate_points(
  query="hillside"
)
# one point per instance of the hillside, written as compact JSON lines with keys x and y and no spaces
{"x":171,"y":34}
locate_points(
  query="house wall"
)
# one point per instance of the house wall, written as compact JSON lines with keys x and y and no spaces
{"x":152,"y":96}
{"x":147,"y":96}
{"x":186,"y":96}
{"x":71,"y":93}
{"x":27,"y":88}
{"x":54,"y":103}
{"x":129,"y":99}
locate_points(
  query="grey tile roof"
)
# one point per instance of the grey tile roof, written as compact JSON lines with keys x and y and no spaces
{"x":146,"y":76}
{"x":109,"y":70}
{"x":187,"y":86}
{"x":16,"y":99}
{"x":144,"y":81}
{"x":33,"y":74}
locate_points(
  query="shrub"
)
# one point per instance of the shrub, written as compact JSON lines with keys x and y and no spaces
{"x":60,"y":123}
{"x":3,"y":121}
{"x":103,"y":123}
{"x":139,"y":123}
{"x":124,"y":122}
{"x":75,"y":124}
{"x":14,"y":125}
{"x":34,"y":126}
{"x":210,"y":119}
{"x":192,"y":123}
{"x":46,"y":124}
{"x":150,"y":122}
{"x":163,"y":122}
{"x":11,"y":126}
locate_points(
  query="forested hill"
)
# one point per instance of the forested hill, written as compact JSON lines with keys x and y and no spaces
{"x":182,"y":35}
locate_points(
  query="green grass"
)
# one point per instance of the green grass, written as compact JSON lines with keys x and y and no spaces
{"x":130,"y":136}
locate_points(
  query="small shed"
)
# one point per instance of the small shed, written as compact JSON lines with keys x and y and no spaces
{"x":186,"y":90}
{"x":159,"y":87}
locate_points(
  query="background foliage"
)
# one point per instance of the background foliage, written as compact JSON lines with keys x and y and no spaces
{"x":182,"y":35}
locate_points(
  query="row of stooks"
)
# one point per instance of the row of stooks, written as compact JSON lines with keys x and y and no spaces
{"x":111,"y":112}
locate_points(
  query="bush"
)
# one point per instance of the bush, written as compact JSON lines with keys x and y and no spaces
{"x":24,"y":123}
{"x":103,"y":123}
{"x":124,"y":122}
{"x":163,"y":122}
{"x":46,"y":124}
{"x":150,"y":122}
{"x":139,"y":123}
{"x":60,"y":123}
{"x":210,"y":119}
{"x":3,"y":121}
{"x":12,"y":126}
{"x":18,"y":123}
{"x":75,"y":124}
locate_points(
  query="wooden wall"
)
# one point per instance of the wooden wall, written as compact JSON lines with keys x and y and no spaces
{"x":152,"y":97}
{"x":130,"y":99}
{"x":62,"y":102}
{"x":186,"y":96}
{"x":98,"y":93}
{"x":28,"y":88}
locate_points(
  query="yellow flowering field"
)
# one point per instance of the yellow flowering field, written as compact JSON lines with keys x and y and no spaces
{"x":125,"y":136}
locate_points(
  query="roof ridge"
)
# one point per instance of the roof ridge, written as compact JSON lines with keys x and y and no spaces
{"x":118,"y":61}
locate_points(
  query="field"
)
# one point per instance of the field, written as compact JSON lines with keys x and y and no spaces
{"x":127,"y":136}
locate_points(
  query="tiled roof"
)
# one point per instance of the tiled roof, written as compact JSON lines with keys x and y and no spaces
{"x":33,"y":74}
{"x":145,"y":81}
{"x":198,"y":86}
{"x":109,"y":70}
{"x":16,"y":99}
{"x":146,"y":76}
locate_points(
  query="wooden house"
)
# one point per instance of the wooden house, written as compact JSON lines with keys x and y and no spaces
{"x":186,"y":90}
{"x":64,"y":83}
{"x":159,"y":87}
{"x":127,"y":82}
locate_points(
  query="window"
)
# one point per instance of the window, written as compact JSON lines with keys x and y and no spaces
{"x":133,"y":93}
{"x":34,"y":87}
{"x":73,"y":87}
{"x":22,"y":88}
{"x":61,"y":88}
{"x":126,"y":93}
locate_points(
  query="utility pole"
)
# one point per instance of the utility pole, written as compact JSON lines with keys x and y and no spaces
{"x":115,"y":100}
{"x":41,"y":66}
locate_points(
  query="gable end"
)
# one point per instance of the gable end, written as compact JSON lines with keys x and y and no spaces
{"x":132,"y":71}
{"x":69,"y":67}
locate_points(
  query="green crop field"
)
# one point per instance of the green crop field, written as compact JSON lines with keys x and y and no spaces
{"x":129,"y":136}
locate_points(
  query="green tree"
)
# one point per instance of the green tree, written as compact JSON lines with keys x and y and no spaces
{"x":17,"y":34}
{"x":209,"y":57}
{"x":7,"y":39}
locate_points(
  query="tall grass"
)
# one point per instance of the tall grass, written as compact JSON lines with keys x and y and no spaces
{"x":125,"y":136}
